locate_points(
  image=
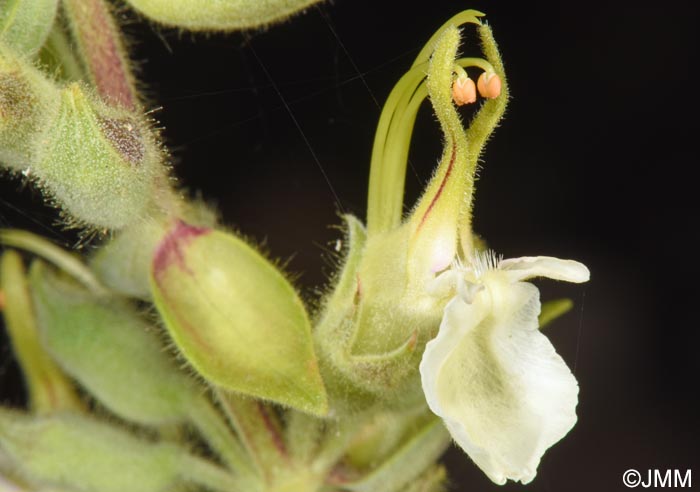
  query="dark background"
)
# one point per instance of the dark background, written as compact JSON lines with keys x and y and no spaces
{"x":594,"y":161}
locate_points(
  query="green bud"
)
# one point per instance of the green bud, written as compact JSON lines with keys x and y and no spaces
{"x":235,"y":318}
{"x":110,"y":350}
{"x":25,"y":24}
{"x":217,"y":15}
{"x":28,"y":102}
{"x":100,"y":163}
{"x":49,"y":389}
{"x":119,"y":359}
{"x":71,"y":452}
{"x":80,"y":453}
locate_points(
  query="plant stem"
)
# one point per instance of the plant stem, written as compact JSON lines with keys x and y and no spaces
{"x":198,"y":470}
{"x":100,"y":43}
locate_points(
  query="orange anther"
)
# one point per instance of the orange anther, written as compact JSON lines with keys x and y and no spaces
{"x":463,"y":91}
{"x":489,"y":85}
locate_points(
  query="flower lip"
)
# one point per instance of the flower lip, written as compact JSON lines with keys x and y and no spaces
{"x":490,"y":374}
{"x":545,"y":266}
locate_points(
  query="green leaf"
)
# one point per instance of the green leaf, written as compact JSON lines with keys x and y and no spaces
{"x":552,"y":310}
{"x":235,"y":318}
{"x":25,"y":24}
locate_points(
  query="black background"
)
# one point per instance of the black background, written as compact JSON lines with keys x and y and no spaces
{"x":594,"y":161}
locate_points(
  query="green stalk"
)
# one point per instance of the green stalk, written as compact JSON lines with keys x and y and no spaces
{"x":213,"y":428}
{"x":200,"y":471}
{"x":101,"y":47}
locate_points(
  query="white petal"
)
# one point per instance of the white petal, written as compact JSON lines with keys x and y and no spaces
{"x":503,"y":392}
{"x":545,"y":266}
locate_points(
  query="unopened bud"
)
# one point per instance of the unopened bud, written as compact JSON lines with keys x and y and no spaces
{"x":98,"y":162}
{"x":110,"y":350}
{"x":77,"y":452}
{"x":101,"y":165}
{"x":463,"y":91}
{"x":235,"y":317}
{"x":489,"y":85}
{"x":28,"y":103}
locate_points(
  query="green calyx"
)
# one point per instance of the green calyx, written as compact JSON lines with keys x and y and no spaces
{"x":235,"y":318}
{"x":25,"y":24}
{"x":98,"y":162}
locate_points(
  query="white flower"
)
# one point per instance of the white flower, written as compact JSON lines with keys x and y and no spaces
{"x":503,"y":392}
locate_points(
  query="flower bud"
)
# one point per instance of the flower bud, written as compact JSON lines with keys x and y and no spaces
{"x":28,"y":103}
{"x":110,"y":350}
{"x":463,"y":91}
{"x":235,"y":317}
{"x":25,"y":24}
{"x":215,"y":15}
{"x":99,"y":163}
{"x":489,"y":85}
{"x":74,"y":452}
{"x":48,"y":388}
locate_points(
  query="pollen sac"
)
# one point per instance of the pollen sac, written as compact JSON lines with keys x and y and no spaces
{"x":463,"y":91}
{"x":489,"y":85}
{"x":25,"y":25}
{"x":235,"y":318}
{"x":76,"y":452}
{"x":110,"y":350}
